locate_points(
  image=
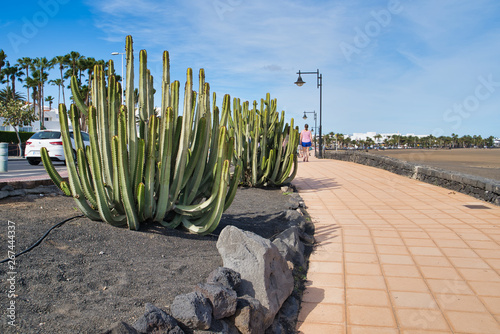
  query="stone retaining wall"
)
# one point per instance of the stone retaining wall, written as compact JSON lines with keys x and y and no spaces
{"x":478,"y":187}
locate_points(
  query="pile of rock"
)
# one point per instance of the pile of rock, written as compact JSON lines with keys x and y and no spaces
{"x":252,"y":293}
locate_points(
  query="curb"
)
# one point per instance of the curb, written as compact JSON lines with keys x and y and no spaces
{"x":26,"y":187}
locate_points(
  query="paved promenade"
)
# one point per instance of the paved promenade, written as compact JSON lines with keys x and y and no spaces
{"x":396,"y":255}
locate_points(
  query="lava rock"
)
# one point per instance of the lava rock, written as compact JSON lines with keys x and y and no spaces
{"x":250,"y":316}
{"x":158,"y":321}
{"x":223,"y":299}
{"x":290,"y":246}
{"x":121,"y":328}
{"x":265,"y":274}
{"x":227,"y":277}
{"x":219,"y":327}
{"x":192,"y":310}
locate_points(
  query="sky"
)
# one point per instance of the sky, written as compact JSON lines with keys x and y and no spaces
{"x":393,"y":66}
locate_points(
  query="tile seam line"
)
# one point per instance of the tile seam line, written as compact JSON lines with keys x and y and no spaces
{"x":315,"y":322}
{"x":434,"y":297}
{"x":473,"y":249}
{"x":396,"y":320}
{"x":325,"y":205}
{"x":411,"y":255}
{"x":467,"y":281}
{"x":489,"y":238}
{"x":344,"y":279}
{"x":418,"y":267}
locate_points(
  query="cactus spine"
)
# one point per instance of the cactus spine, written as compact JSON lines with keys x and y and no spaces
{"x":173,"y":170}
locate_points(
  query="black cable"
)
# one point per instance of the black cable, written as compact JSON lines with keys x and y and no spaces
{"x":43,"y":237}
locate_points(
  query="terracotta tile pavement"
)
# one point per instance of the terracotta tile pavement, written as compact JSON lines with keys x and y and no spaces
{"x":395,"y":255}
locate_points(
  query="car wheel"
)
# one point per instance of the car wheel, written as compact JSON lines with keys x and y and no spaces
{"x":33,"y":162}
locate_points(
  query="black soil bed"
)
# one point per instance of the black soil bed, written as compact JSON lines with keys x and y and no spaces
{"x":86,"y":275}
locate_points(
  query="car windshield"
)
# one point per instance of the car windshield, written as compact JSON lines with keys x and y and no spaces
{"x":85,"y":136}
{"x":47,"y":135}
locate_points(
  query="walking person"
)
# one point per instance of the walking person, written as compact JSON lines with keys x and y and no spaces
{"x":305,"y":141}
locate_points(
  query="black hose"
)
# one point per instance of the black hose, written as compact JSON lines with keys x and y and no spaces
{"x":43,"y":237}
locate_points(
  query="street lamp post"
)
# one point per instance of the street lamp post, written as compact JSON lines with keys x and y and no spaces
{"x":123,"y":81}
{"x":319,"y":80}
{"x":315,"y":126}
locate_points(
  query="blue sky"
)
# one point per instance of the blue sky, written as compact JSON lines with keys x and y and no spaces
{"x":407,"y":66}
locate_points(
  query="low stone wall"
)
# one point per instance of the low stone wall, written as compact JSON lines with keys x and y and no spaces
{"x":478,"y":187}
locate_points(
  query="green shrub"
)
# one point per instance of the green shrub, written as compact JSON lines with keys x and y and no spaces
{"x":10,"y":136}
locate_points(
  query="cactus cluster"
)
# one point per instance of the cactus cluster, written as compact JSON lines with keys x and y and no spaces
{"x":266,"y":145}
{"x":169,"y":167}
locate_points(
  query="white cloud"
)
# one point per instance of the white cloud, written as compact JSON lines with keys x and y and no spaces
{"x":427,"y":56}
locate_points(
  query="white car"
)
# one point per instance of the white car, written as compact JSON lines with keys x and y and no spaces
{"x":52,"y":140}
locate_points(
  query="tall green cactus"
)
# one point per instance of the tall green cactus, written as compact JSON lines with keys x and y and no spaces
{"x":266,"y":145}
{"x":168,"y":168}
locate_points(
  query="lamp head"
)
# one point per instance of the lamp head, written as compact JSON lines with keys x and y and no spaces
{"x":299,"y":81}
{"x":115,"y":53}
{"x":305,"y":116}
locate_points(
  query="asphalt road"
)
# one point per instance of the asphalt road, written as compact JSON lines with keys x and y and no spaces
{"x":20,"y":168}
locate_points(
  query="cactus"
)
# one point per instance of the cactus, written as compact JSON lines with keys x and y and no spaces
{"x":169,"y":168}
{"x":266,"y":145}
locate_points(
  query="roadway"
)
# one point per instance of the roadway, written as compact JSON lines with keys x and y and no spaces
{"x":19,"y":169}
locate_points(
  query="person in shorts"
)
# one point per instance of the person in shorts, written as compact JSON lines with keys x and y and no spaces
{"x":305,"y":141}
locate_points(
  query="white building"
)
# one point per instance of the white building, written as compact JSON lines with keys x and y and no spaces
{"x":51,"y":122}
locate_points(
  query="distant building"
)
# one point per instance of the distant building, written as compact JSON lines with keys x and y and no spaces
{"x":51,"y":122}
{"x":496,"y":142}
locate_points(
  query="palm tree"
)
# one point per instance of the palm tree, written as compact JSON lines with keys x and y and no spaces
{"x":339,"y":138}
{"x":73,"y":58}
{"x":41,"y":65}
{"x":82,"y":67}
{"x":477,"y":140}
{"x":409,"y":140}
{"x":480,"y":141}
{"x":88,"y":65}
{"x":63,"y":62}
{"x":489,"y":141}
{"x":26,"y":63}
{"x":348,"y":141}
{"x":327,"y":140}
{"x":12,"y":73}
{"x":7,"y":94}
{"x":2,"y":59}
{"x":31,"y":83}
{"x":454,"y":136}
{"x":60,"y":84}
{"x":50,"y":100}
{"x":369,"y":141}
